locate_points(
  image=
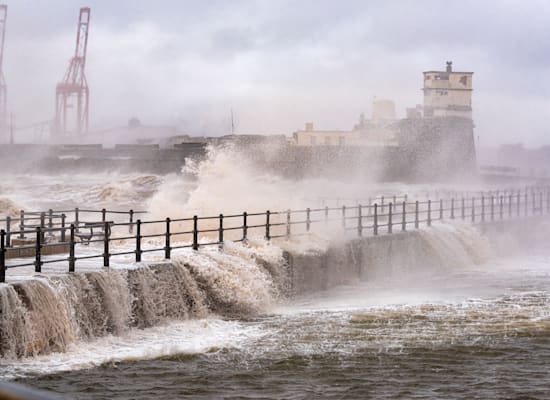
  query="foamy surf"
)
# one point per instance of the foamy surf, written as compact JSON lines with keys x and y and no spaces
{"x":176,"y":338}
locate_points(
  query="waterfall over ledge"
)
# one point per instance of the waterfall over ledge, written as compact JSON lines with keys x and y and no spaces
{"x":46,"y":313}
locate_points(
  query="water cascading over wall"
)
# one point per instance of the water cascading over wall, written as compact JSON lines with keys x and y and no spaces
{"x":47,"y":313}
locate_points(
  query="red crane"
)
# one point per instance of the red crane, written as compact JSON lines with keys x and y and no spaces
{"x":75,"y":84}
{"x":3,"y":88}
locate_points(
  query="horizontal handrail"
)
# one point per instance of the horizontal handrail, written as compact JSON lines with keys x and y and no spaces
{"x":374,"y":218}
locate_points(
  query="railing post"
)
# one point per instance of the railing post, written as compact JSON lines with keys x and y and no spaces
{"x":416,"y":221}
{"x":547,"y":201}
{"x":63,"y":216}
{"x":267,"y":225}
{"x":21,"y":224}
{"x":131,"y":226}
{"x":103,"y":215}
{"x":288,"y":224}
{"x":308,"y":219}
{"x":220,"y":232}
{"x":510,"y":206}
{"x":2,"y":256}
{"x":482,"y":208}
{"x":473,"y":209}
{"x":138,"y":240}
{"x":8,"y":231}
{"x":526,"y":204}
{"x":195,"y":232}
{"x":245,"y":226}
{"x":404,"y":217}
{"x":440,"y":209}
{"x":359,"y":221}
{"x":167,"y":248}
{"x":382,"y":204}
{"x":533,"y":201}
{"x":429,"y":213}
{"x":326,"y":215}
{"x":38,"y":250}
{"x":42,"y":225}
{"x":453,"y":208}
{"x":463,"y":209}
{"x":540,"y":203}
{"x":76,"y":219}
{"x":71,"y":249}
{"x":501,"y":205}
{"x":50,"y":219}
{"x":344,"y":217}
{"x":106,"y":255}
{"x":375,"y":220}
{"x":492,"y":208}
{"x":390,"y":218}
{"x":518,"y":206}
{"x":369,"y":206}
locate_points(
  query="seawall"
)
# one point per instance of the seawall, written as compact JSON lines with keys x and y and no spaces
{"x":47,"y":313}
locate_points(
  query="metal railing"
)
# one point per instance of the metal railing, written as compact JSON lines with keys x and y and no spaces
{"x":29,"y":220}
{"x":166,"y":235}
{"x":445,"y":194}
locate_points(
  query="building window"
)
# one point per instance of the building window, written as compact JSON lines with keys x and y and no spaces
{"x":313,"y":140}
{"x":327,"y":140}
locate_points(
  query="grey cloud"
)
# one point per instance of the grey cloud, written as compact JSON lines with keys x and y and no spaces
{"x":281,"y":62}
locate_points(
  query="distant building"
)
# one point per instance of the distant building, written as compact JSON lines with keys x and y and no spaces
{"x":435,"y":139}
{"x":311,"y":137}
{"x":448,"y":93}
{"x":379,"y":131}
{"x":383,"y":110}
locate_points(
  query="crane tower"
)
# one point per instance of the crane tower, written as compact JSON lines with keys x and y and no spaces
{"x":74,"y":85}
{"x":3,"y":88}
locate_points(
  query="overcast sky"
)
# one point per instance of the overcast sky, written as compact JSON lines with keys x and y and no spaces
{"x":280,"y":63}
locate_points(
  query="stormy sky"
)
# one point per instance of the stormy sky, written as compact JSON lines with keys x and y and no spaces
{"x":280,"y":63}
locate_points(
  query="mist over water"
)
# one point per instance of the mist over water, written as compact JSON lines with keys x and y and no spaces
{"x":218,"y":323}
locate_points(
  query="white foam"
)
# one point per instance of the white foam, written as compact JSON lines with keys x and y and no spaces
{"x":187,"y":337}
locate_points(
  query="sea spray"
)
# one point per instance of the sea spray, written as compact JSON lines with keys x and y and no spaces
{"x":451,"y":246}
{"x":99,"y":302}
{"x":229,"y":180}
{"x":12,"y":322}
{"x":47,"y":313}
{"x":163,"y":292}
{"x":34,"y":320}
{"x":235,"y":286}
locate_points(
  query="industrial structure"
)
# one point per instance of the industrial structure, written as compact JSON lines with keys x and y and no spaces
{"x":448,"y":93}
{"x":74,"y":85}
{"x":3,"y":87}
{"x":378,"y":131}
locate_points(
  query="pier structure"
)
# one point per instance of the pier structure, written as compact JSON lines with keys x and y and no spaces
{"x":58,"y":234}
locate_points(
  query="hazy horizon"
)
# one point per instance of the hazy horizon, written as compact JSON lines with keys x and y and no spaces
{"x":278,"y":64}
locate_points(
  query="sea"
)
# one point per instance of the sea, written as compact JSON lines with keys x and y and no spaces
{"x":474,"y":328}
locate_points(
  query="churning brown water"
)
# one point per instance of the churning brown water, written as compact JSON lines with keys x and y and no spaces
{"x":474,"y":332}
{"x":215,"y":327}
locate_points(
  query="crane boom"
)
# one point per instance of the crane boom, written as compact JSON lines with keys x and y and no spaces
{"x":74,"y":82}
